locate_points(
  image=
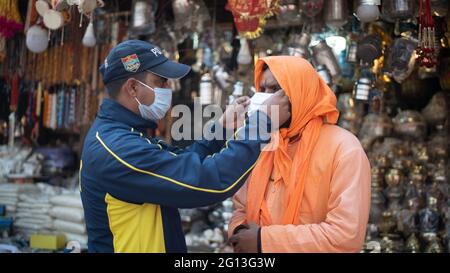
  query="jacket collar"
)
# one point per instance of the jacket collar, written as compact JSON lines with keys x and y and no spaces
{"x":112,"y":110}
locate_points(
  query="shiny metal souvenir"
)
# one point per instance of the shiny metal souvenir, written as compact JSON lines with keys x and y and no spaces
{"x":323,"y":55}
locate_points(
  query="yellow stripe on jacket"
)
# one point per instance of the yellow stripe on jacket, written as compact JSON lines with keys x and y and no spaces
{"x":135,"y":228}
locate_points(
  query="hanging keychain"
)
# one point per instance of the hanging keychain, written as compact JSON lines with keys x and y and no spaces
{"x":46,"y":108}
{"x":14,"y":93}
{"x":54,"y":111}
{"x":38,"y":100}
{"x":72,"y":106}
{"x":426,"y":50}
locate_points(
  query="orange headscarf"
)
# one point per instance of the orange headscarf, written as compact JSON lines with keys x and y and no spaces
{"x":312,"y":102}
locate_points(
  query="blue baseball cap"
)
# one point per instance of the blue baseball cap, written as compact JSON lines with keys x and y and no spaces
{"x":134,"y":56}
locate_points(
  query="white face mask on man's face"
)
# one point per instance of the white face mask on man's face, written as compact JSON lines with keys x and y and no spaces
{"x":158,"y":109}
{"x":257,"y":101}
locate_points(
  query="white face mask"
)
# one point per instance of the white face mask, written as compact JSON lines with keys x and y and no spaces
{"x":158,"y":109}
{"x":257,"y":101}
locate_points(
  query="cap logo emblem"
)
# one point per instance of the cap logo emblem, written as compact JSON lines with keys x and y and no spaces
{"x":131,"y":63}
{"x":156,"y":51}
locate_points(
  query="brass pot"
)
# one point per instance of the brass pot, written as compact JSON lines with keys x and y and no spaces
{"x":393,"y":177}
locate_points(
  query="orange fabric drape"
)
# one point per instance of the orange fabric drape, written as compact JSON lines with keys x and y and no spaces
{"x":312,"y":103}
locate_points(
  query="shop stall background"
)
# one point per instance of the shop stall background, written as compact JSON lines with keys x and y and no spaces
{"x":389,"y":95}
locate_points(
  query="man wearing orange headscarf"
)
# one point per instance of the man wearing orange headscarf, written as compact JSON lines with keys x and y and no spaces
{"x":312,"y":192}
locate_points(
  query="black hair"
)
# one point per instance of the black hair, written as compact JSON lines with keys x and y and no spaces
{"x":113,"y":88}
{"x":265,"y":67}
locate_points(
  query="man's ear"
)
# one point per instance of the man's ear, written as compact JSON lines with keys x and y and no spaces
{"x":130,"y":87}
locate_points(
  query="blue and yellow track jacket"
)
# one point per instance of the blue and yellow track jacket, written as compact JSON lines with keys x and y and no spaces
{"x":132,"y":186}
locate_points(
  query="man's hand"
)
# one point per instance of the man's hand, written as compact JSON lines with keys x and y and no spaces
{"x":246,"y":240}
{"x":235,"y":113}
{"x":279,"y":99}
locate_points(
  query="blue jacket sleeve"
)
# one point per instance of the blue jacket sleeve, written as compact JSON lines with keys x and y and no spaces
{"x":212,"y":143}
{"x":138,"y":172}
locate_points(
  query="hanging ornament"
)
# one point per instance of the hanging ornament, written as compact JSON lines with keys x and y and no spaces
{"x":60,"y":5}
{"x":206,"y":89}
{"x":335,"y":13}
{"x":143,"y":17}
{"x":300,"y":45}
{"x":368,"y":11}
{"x":370,"y":47}
{"x":324,"y":74}
{"x":238,"y":89}
{"x":53,"y":19}
{"x":86,"y":7}
{"x":42,"y":7}
{"x":244,"y":56}
{"x":395,"y":10}
{"x":400,"y":59}
{"x":12,"y":126}
{"x":362,"y":89}
{"x":323,"y":55}
{"x":89,"y":36}
{"x":221,"y":76}
{"x":208,"y":57}
{"x":288,"y":13}
{"x":426,"y":49}
{"x":311,"y":8}
{"x":250,"y":15}
{"x":37,"y":39}
{"x":183,"y":11}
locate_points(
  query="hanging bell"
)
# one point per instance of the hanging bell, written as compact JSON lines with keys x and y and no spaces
{"x":335,"y":13}
{"x":37,"y":39}
{"x":89,"y":36}
{"x":244,"y":56}
{"x":367,"y":10}
{"x":87,"y":6}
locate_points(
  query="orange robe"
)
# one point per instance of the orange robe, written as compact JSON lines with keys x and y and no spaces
{"x":335,"y":207}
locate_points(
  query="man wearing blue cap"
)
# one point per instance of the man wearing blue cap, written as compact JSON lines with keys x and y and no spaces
{"x":132,"y":185}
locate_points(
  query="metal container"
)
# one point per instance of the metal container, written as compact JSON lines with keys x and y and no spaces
{"x":323,"y":55}
{"x":393,"y":10}
{"x":311,"y":8}
{"x":143,"y":17}
{"x":300,"y":46}
{"x":324,"y":74}
{"x":369,"y":49}
{"x":335,"y":13}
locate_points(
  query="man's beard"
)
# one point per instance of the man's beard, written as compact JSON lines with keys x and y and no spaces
{"x":286,"y":124}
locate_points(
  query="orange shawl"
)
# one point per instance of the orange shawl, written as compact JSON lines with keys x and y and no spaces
{"x":312,"y":102}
